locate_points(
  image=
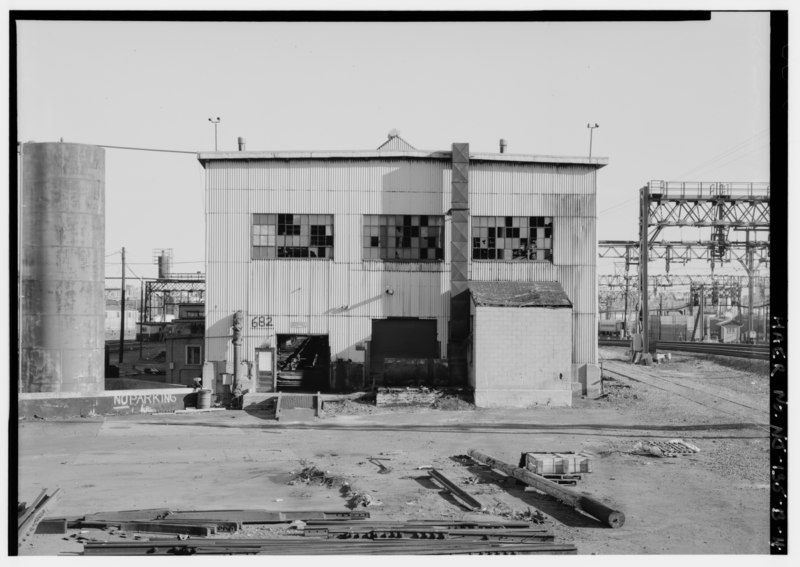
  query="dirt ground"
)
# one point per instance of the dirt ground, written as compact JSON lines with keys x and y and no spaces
{"x":712,"y":502}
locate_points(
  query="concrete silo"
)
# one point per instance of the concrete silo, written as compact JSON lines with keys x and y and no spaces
{"x":62,"y":259}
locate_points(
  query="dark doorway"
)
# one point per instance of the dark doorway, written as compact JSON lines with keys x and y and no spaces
{"x":303,"y":363}
{"x":403,"y":342}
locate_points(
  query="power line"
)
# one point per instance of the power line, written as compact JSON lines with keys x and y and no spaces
{"x":153,"y":264}
{"x":148,"y":149}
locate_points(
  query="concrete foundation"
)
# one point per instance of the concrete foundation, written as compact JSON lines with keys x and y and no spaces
{"x":113,"y":402}
{"x":590,"y":379}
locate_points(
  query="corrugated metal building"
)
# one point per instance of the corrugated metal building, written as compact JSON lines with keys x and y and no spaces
{"x":371,"y":252}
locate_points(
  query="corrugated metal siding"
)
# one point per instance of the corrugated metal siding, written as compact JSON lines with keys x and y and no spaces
{"x":584,"y":338}
{"x":514,"y":271}
{"x":308,"y":296}
{"x":574,"y":241}
{"x":503,"y":179}
{"x":228,"y":237}
{"x":524,"y":204}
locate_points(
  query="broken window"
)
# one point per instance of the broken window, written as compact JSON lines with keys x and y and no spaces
{"x":512,"y":238}
{"x":403,"y":237}
{"x":291,"y":236}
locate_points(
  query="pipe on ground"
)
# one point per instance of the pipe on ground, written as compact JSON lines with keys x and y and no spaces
{"x":595,"y":508}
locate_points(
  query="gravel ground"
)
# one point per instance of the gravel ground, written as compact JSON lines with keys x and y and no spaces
{"x":715,"y":501}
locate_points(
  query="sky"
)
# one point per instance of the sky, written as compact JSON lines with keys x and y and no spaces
{"x":684,"y":101}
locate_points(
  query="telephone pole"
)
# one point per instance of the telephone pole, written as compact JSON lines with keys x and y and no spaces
{"x":122,"y":312}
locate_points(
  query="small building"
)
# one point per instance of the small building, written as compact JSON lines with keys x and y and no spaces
{"x":521,"y":344}
{"x":729,"y":331}
{"x":358,"y":265}
{"x":184,"y":344}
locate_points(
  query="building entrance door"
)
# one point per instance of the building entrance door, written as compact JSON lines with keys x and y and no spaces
{"x":265,"y":370}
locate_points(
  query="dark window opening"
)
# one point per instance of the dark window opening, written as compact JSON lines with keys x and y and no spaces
{"x":291,"y":236}
{"x":512,"y":238}
{"x":403,"y":237}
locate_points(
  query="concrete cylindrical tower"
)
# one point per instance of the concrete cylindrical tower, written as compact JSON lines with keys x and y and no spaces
{"x":62,"y":265}
{"x":164,"y":266}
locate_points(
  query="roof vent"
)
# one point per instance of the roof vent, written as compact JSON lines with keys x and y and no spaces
{"x":503,"y":145}
{"x":242,"y":143}
{"x":393,"y":133}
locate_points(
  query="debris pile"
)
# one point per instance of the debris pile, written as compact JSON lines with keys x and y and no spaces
{"x":671,"y":448}
{"x":353,"y":536}
{"x":313,"y":475}
{"x":30,"y":517}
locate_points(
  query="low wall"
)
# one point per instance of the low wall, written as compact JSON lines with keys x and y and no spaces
{"x":112,"y":402}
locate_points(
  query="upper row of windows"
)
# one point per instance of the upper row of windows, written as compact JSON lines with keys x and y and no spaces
{"x":402,"y":237}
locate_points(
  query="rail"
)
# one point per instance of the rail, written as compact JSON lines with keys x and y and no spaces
{"x":710,"y":190}
{"x":755,"y":352}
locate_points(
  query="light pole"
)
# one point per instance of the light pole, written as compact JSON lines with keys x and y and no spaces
{"x":591,"y":131}
{"x":215,"y":122}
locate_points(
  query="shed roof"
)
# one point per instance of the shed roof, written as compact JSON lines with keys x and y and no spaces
{"x":519,"y":294}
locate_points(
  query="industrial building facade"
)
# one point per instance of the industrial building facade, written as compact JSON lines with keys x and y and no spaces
{"x":348,"y":268}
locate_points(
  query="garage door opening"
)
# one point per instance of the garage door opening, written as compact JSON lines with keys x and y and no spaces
{"x":303,"y":363}
{"x":403,"y":351}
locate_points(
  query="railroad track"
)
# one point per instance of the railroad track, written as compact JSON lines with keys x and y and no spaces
{"x":708,"y":396}
{"x":756,"y":352}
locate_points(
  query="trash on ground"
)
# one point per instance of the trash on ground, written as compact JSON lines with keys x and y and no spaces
{"x":671,"y":448}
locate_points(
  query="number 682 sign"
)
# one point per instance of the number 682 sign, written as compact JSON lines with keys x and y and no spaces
{"x":260,"y":321}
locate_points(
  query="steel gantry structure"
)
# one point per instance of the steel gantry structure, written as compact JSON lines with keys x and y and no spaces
{"x":718,"y":207}
{"x":173,"y":290}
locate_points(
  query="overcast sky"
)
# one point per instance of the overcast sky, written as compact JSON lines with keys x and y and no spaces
{"x":674,"y":101}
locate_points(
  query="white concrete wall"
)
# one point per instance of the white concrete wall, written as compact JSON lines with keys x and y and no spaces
{"x":522,"y":356}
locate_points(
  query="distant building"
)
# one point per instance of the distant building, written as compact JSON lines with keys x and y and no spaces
{"x":184,"y":338}
{"x":113,"y":315}
{"x":729,"y":331}
{"x":349,"y":266}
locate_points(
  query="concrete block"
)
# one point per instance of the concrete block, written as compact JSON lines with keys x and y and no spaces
{"x":590,"y":379}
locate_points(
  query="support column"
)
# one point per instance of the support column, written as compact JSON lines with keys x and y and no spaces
{"x":643,"y":256}
{"x":457,"y":346}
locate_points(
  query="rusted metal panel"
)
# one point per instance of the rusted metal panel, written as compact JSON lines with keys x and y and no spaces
{"x":527,"y":204}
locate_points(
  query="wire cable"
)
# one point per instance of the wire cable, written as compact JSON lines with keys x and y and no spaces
{"x":148,"y":149}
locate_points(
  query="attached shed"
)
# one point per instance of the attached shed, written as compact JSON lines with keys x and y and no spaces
{"x":521,"y":351}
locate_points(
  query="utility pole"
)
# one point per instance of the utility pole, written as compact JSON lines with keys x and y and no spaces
{"x":215,"y":122}
{"x":122,"y":312}
{"x":643,"y":253}
{"x":591,"y":131}
{"x":750,"y":270}
{"x":141,"y":318}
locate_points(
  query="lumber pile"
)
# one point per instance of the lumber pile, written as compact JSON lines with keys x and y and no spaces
{"x":363,"y":537}
{"x":29,"y":517}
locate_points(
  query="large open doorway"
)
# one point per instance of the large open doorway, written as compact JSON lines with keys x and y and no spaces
{"x":402,"y":351}
{"x":303,"y":363}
